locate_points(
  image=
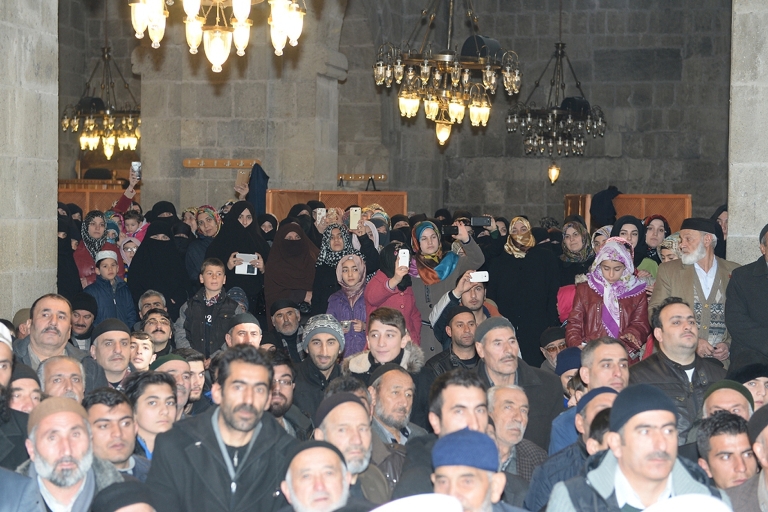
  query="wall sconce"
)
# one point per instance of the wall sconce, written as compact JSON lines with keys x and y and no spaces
{"x":553,"y":172}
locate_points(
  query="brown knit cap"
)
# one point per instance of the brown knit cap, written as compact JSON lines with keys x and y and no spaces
{"x":54,"y":405}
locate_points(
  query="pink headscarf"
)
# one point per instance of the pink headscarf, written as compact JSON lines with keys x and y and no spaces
{"x":353,"y":293}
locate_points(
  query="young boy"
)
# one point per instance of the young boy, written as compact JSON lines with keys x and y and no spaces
{"x":204,"y":318}
{"x":112,"y":295}
{"x":142,"y":351}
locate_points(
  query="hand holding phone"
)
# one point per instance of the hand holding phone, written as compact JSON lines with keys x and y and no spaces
{"x":136,"y":170}
{"x":403,"y":258}
{"x":478,"y":277}
{"x":354,"y":217}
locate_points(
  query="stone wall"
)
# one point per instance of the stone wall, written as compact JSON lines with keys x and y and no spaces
{"x":28,"y":120}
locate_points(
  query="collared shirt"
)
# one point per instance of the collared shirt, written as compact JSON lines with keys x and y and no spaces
{"x":626,"y":495}
{"x":386,"y":436}
{"x":707,"y":279}
{"x":510,"y":465}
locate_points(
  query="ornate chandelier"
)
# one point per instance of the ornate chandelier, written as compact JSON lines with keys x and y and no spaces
{"x":560,"y":128}
{"x":286,"y":23}
{"x":447,"y":83}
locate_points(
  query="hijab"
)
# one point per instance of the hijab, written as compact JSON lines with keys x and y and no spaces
{"x":519,"y":245}
{"x":122,"y":247}
{"x":291,"y":265}
{"x":212,"y":213}
{"x":388,"y":261}
{"x":297,"y":209}
{"x":73,"y":209}
{"x":162,"y":207}
{"x":374,"y":232}
{"x":327,"y":255}
{"x":586,"y":252}
{"x":67,"y":275}
{"x":604,"y":231}
{"x":93,"y":245}
{"x":672,"y":243}
{"x":182,"y":242}
{"x":641,"y":249}
{"x":267,"y":217}
{"x":380,"y":222}
{"x":432,"y":268}
{"x":654,"y":253}
{"x":353,"y":293}
{"x":615,"y":249}
{"x":397,"y":218}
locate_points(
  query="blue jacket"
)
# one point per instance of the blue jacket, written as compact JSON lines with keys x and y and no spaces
{"x":117,"y":303}
{"x":564,"y":431}
{"x":560,"y":467}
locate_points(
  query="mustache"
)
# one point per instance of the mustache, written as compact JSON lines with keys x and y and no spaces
{"x":245,"y":407}
{"x":659,"y":455}
{"x":159,"y":329}
{"x":52,"y":328}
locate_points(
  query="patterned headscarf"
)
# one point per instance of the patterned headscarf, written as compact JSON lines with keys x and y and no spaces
{"x":353,"y":293}
{"x":586,"y":251}
{"x":432,"y":268}
{"x":672,"y":243}
{"x":620,"y":250}
{"x":519,"y":245}
{"x":210,"y":211}
{"x":327,"y":255}
{"x":603,"y":231}
{"x":93,"y":245}
{"x":117,"y":218}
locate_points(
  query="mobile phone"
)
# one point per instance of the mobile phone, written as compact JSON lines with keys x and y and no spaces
{"x":480,"y":221}
{"x":403,"y":258}
{"x":354,"y":217}
{"x":136,"y":169}
{"x":320,"y":214}
{"x":243,"y":177}
{"x":450,"y":230}
{"x":478,"y":277}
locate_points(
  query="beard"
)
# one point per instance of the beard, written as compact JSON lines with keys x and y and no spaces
{"x":278,"y":410}
{"x":357,"y":466}
{"x":697,"y":255}
{"x":64,"y":477}
{"x":390,"y":420}
{"x":300,"y":507}
{"x":228,"y":413}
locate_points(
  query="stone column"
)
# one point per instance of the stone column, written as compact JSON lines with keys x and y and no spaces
{"x":28,"y":151}
{"x":747,"y":147}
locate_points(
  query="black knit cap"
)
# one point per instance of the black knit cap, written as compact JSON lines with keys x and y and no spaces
{"x":110,"y":324}
{"x":296,"y":449}
{"x":457,"y":310}
{"x":637,"y":399}
{"x":747,"y":373}
{"x":333,"y":401}
{"x":120,"y":495}
{"x":86,"y":302}
{"x":22,"y":371}
{"x":243,"y":318}
{"x":551,"y":334}
{"x":757,"y":424}
{"x":282,"y":304}
{"x":762,"y":233}
{"x":381,"y":370}
{"x":700,"y":224}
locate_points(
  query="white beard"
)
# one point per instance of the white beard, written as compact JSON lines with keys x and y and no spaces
{"x":697,"y":255}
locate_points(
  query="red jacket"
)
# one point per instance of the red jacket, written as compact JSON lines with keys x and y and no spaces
{"x":87,"y":267}
{"x":378,"y":295}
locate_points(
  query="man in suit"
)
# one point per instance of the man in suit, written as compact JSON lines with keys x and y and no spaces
{"x":700,"y":278}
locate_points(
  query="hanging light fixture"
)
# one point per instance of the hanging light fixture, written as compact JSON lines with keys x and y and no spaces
{"x":559,"y":128}
{"x":553,"y":172}
{"x":447,"y":82}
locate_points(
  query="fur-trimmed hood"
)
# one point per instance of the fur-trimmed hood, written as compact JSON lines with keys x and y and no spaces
{"x":412,"y":361}
{"x":104,"y":472}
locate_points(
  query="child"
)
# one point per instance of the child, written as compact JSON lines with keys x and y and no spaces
{"x":110,"y":291}
{"x":135,"y":225}
{"x":348,"y":305}
{"x":142,"y":351}
{"x":576,"y":390}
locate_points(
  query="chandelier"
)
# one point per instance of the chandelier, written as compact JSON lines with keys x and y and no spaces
{"x":286,"y":22}
{"x":99,"y":117}
{"x":560,"y":128}
{"x":447,"y":83}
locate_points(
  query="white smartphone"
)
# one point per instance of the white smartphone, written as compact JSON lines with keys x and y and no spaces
{"x":136,"y":169}
{"x":320,"y":214}
{"x":354,"y":217}
{"x":478,"y":277}
{"x":245,"y":267}
{"x":403,"y":258}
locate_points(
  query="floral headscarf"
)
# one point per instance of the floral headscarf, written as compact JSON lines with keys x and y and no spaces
{"x":586,"y":251}
{"x":672,"y":243}
{"x":353,"y":293}
{"x":210,"y":211}
{"x":519,"y":245}
{"x":432,"y":268}
{"x":603,"y":231}
{"x":327,"y":255}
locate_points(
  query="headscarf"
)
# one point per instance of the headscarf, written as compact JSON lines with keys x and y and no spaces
{"x":443,"y":212}
{"x":504,"y":221}
{"x":67,"y":276}
{"x":327,"y":255}
{"x":353,"y":293}
{"x":191,"y":210}
{"x":229,"y":203}
{"x":297,"y":209}
{"x":211,"y":212}
{"x":374,"y":232}
{"x":654,"y":253}
{"x":672,"y":243}
{"x":64,"y":207}
{"x":397,"y":218}
{"x":604,"y":231}
{"x":291,"y":265}
{"x":381,"y":215}
{"x":380,"y":222}
{"x":117,"y":218}
{"x":125,"y":241}
{"x":586,"y":252}
{"x":162,"y":207}
{"x":93,"y":245}
{"x":374,"y":208}
{"x":267,"y":217}
{"x":182,"y":242}
{"x":435,"y":267}
{"x":615,"y":249}
{"x":73,"y":209}
{"x":641,"y":249}
{"x":519,"y":245}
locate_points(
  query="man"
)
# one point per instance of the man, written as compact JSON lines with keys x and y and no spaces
{"x":21,"y":323}
{"x":19,"y":493}
{"x":6,"y":360}
{"x":62,"y":459}
{"x":700,"y":278}
{"x":754,"y":377}
{"x":501,"y":364}
{"x":50,"y":326}
{"x":569,"y":462}
{"x":281,"y":404}
{"x":747,"y":302}
{"x":142,"y":351}
{"x":150,"y":300}
{"x":750,"y":496}
{"x":552,"y":342}
{"x":153,"y":398}
{"x":111,"y":349}
{"x":25,"y":389}
{"x":461,"y":351}
{"x":466,"y":467}
{"x":175,"y":366}
{"x":84,"y":311}
{"x":113,"y":431}
{"x":508,"y":408}
{"x":468,"y":294}
{"x":728,"y":396}
{"x":676,"y":367}
{"x":392,"y":391}
{"x":62,"y":376}
{"x":244,"y":328}
{"x":323,"y":341}
{"x":287,"y":333}
{"x":157,"y":323}
{"x":635,"y":472}
{"x":604,"y":363}
{"x":342,"y":420}
{"x":725,"y":452}
{"x":13,"y":424}
{"x":229,"y":457}
{"x":197,"y":403}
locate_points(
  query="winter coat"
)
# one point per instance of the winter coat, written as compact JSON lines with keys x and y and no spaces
{"x":570,"y":269}
{"x":585,"y":323}
{"x":20,"y":493}
{"x":374,"y":485}
{"x":378,"y":295}
{"x":204,"y":328}
{"x":744,"y":497}
{"x":560,"y":467}
{"x":189,"y":472}
{"x":301,"y":424}
{"x":87,"y":267}
{"x":13,"y":433}
{"x":311,"y":385}
{"x":195,"y":257}
{"x":745,"y":316}
{"x":114,"y":302}
{"x":389,"y":458}
{"x":417,"y":468}
{"x":338,"y":306}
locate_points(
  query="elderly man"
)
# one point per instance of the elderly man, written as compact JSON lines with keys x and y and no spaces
{"x":496,"y":344}
{"x":700,"y":278}
{"x":25,"y":389}
{"x":178,"y":368}
{"x":552,"y":342}
{"x":50,"y":325}
{"x":111,"y":348}
{"x":323,"y":341}
{"x":21,"y":323}
{"x":84,"y":311}
{"x":62,"y":376}
{"x":62,"y":459}
{"x":751,"y":495}
{"x":287,"y":334}
{"x":281,"y":404}
{"x":725,"y":452}
{"x":392,"y":391}
{"x":676,"y":368}
{"x":150,"y":300}
{"x":466,"y":467}
{"x":244,"y":328}
{"x":729,"y":396}
{"x":635,"y":471}
{"x":745,"y":317}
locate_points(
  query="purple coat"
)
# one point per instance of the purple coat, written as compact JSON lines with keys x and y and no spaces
{"x":339,"y":307}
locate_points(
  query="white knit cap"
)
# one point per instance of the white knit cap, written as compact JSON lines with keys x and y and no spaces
{"x":102,"y":255}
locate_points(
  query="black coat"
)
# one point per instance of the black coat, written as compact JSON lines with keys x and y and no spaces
{"x":570,"y":269}
{"x":417,"y":468}
{"x":189,"y":473}
{"x":525,"y":290}
{"x":13,"y":433}
{"x":745,"y":316}
{"x":310,"y":386}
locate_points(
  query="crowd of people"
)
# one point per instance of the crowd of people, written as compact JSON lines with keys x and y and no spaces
{"x":227,"y":360}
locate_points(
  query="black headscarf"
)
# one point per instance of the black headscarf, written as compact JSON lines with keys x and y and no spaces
{"x":93,"y":245}
{"x":388,"y":260}
{"x":67,"y":277}
{"x":162,"y":207}
{"x":641,"y":249}
{"x":72,"y":208}
{"x":721,"y":241}
{"x":308,"y":226}
{"x":297,"y":209}
{"x":182,"y":242}
{"x":267,"y":217}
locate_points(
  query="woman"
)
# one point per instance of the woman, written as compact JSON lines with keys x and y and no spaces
{"x":656,"y":230}
{"x":523,"y":282}
{"x":268,"y":224}
{"x":348,"y":304}
{"x":240,"y":234}
{"x":599,"y":237}
{"x":128,"y":248}
{"x":67,"y":277}
{"x":721,"y":217}
{"x":182,"y":236}
{"x":578,"y":254}
{"x":94,"y":239}
{"x":669,"y":249}
{"x":208,"y":226}
{"x":337,"y":243}
{"x":632,"y":230}
{"x":382,"y":227}
{"x":370,"y":232}
{"x":158,"y":266}
{"x":189,"y":217}
{"x":290,"y":271}
{"x":611,"y":303}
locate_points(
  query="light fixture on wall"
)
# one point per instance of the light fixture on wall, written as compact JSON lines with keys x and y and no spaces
{"x":99,"y":117}
{"x":286,"y":23}
{"x":553,"y":172}
{"x":447,"y":82}
{"x":559,"y":128}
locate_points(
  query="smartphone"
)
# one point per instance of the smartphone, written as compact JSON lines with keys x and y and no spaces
{"x":450,"y":230}
{"x":354,"y":217}
{"x":480,"y":221}
{"x":403,"y":258}
{"x":320,"y":214}
{"x":136,"y":169}
{"x":478,"y":277}
{"x":243,"y":177}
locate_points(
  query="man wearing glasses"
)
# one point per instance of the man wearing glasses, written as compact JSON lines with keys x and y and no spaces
{"x":552,"y":343}
{"x":281,"y":404}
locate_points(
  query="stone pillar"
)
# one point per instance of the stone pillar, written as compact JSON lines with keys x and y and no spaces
{"x":747,"y":147}
{"x":28,"y":151}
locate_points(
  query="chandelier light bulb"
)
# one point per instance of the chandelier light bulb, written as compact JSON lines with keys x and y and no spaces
{"x":399,"y":71}
{"x":456,"y":110}
{"x":217,"y":43}
{"x":294,"y":23}
{"x":194,"y":32}
{"x":139,"y":18}
{"x":241,"y":35}
{"x":278,"y":37}
{"x":156,"y":28}
{"x":192,"y":8}
{"x":443,"y":131}
{"x":241,"y":9}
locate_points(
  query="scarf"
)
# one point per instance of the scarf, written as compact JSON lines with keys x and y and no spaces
{"x":291,"y":265}
{"x":432,"y":268}
{"x":122,"y":247}
{"x":269,"y":236}
{"x":327,"y":255}
{"x":93,"y":245}
{"x":671,"y":243}
{"x":380,"y":223}
{"x":653,"y":253}
{"x":615,"y":249}
{"x":354,"y":292}
{"x":519,"y":245}
{"x":211,"y":212}
{"x":374,"y":232}
{"x":641,"y":249}
{"x":586,"y":252}
{"x":603,"y":231}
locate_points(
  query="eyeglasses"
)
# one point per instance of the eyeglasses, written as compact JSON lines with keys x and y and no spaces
{"x":283,"y":383}
{"x":155,"y":321}
{"x":130,"y":249}
{"x":557,"y":348}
